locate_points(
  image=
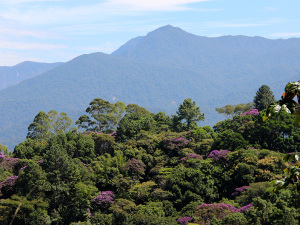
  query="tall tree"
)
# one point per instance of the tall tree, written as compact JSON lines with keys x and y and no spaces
{"x":103,"y":116}
{"x":45,"y":125}
{"x":264,"y":97}
{"x":40,"y":127}
{"x":188,"y":115}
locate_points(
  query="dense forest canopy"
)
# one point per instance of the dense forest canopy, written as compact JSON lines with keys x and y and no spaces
{"x":126,"y":165}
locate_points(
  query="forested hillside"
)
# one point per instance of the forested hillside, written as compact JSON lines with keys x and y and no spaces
{"x":134,"y":167}
{"x":157,"y":72}
{"x":12,"y":75}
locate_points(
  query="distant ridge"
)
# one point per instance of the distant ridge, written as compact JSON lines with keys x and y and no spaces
{"x":157,"y":71}
{"x":12,"y":75}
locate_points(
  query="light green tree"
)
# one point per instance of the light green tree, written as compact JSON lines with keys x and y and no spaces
{"x":103,"y":116}
{"x":48,"y":125}
{"x":229,"y":111}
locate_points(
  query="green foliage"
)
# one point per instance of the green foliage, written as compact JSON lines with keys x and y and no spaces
{"x":133,"y":122}
{"x":40,"y":127}
{"x":286,"y":104}
{"x":156,"y":176}
{"x":230,"y":140}
{"x":48,"y":125}
{"x":188,"y":115}
{"x":103,"y":116}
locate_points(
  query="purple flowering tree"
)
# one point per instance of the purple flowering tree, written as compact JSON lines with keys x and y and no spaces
{"x":206,"y":212}
{"x":104,"y":199}
{"x":184,"y":220}
{"x":175,"y":145}
{"x":252,"y":112}
{"x":9,"y":163}
{"x":240,"y":189}
{"x":191,"y":159}
{"x":191,"y":156}
{"x":135,"y":168}
{"x":8,"y":183}
{"x":2,"y":157}
{"x":219,"y":155}
{"x":246,"y":207}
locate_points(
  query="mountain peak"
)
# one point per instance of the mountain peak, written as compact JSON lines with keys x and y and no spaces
{"x":167,"y":28}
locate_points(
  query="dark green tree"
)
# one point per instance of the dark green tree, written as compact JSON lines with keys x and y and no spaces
{"x":264,"y":97}
{"x":188,"y":115}
{"x":135,"y":120}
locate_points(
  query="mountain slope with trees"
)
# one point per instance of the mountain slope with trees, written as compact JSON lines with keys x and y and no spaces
{"x":157,"y":72}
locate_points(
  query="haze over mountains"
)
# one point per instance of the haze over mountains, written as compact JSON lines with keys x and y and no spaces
{"x":12,"y":75}
{"x":157,"y":72}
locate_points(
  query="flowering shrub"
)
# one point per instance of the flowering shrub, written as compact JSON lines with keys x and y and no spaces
{"x":89,"y":212}
{"x":135,"y":167}
{"x":9,"y":181}
{"x":240,"y":189}
{"x":185,"y":220}
{"x":206,"y":212}
{"x":2,"y":156}
{"x":9,"y":163}
{"x":105,"y":198}
{"x":176,"y":143}
{"x":219,"y":155}
{"x":252,"y":112}
{"x":244,"y":208}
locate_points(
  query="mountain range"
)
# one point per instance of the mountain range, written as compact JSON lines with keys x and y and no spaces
{"x":157,"y":71}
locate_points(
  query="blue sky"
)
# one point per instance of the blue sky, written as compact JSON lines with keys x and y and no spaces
{"x":59,"y":30}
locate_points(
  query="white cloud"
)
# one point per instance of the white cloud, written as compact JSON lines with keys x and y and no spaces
{"x":97,"y":10}
{"x":16,"y":45}
{"x":19,"y":32}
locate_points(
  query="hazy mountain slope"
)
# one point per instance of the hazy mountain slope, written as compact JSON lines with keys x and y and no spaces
{"x":12,"y":75}
{"x":254,"y":60}
{"x":71,"y":86}
{"x":158,"y":72}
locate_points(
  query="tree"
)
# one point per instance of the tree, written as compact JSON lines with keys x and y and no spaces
{"x":229,"y":111}
{"x":60,"y":123}
{"x":45,"y":125}
{"x":135,"y":120}
{"x":188,"y":112}
{"x":264,"y":97}
{"x":103,"y":116}
{"x":40,"y":127}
